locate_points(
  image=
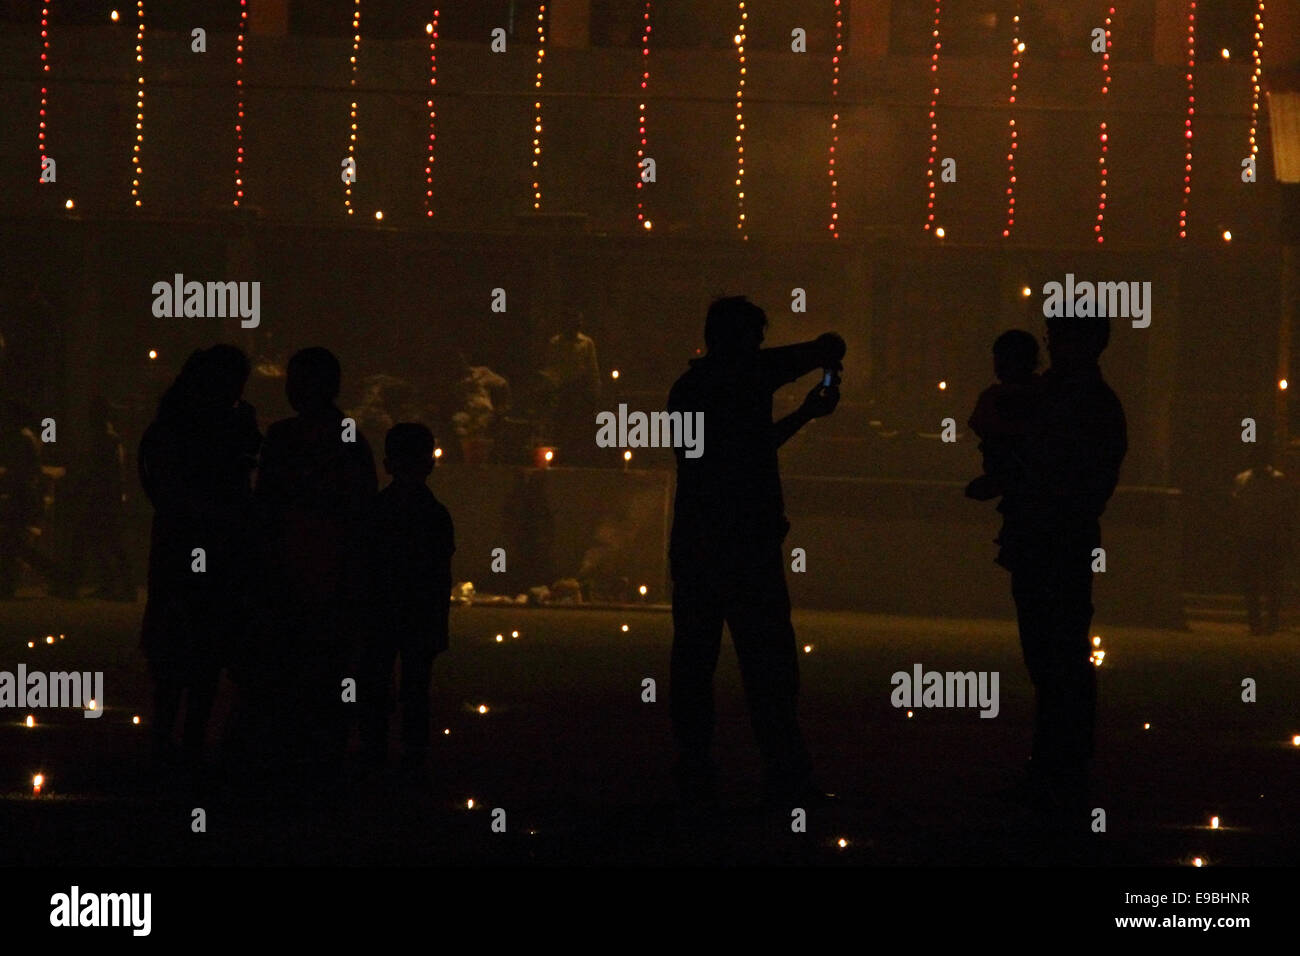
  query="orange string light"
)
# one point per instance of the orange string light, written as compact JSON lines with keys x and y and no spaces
{"x":934,"y":118}
{"x":537,"y":107}
{"x":641,"y":219}
{"x":834,"y":224}
{"x":1187,"y":123}
{"x":41,"y":142}
{"x":352,"y":110}
{"x":1017,"y":48}
{"x":1256,"y":77}
{"x":740,"y":123}
{"x":139,"y":104}
{"x":1103,"y":137}
{"x":239,"y":101}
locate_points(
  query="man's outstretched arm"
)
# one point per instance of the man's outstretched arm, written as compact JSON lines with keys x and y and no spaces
{"x":821,"y":401}
{"x":786,"y":363}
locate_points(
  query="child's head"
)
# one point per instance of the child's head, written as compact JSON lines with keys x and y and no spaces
{"x":408,"y":451}
{"x":1015,"y":356}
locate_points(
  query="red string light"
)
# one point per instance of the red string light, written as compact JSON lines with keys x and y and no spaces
{"x":537,"y":107}
{"x":1103,"y":137}
{"x":1187,"y":123}
{"x":41,"y":142}
{"x":641,"y":219}
{"x":934,"y":119}
{"x":740,"y":123}
{"x":139,"y":103}
{"x":352,"y":111}
{"x":834,"y":224}
{"x":239,"y":101}
{"x":431,"y":29}
{"x":1017,"y":48}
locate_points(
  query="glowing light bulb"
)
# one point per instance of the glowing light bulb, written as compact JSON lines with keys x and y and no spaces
{"x":1146,"y":726}
{"x":841,"y":843}
{"x":1227,"y":235}
{"x":1214,"y":823}
{"x":1026,"y":292}
{"x":470,"y":803}
{"x":624,"y":628}
{"x":940,"y":232}
{"x":1295,"y":741}
{"x":482,"y":708}
{"x":91,"y":705}
{"x":1281,"y":383}
{"x":549,"y":455}
{"x":437,"y":453}
{"x":446,"y":731}
{"x":135,"y":720}
{"x":500,"y":638}
{"x":31,"y":643}
{"x":68,"y":204}
{"x":1096,"y":640}
{"x":114,"y":16}
{"x":379,"y":214}
{"x":514,"y":633}
{"x":909,"y":713}
{"x":943,"y":386}
{"x":30,"y":721}
{"x":643,"y":590}
{"x":38,"y":781}
{"x":1224,"y":53}
{"x":153,"y":354}
{"x":613,"y":373}
{"x":1197,"y":861}
{"x":627,"y":456}
{"x":49,"y":639}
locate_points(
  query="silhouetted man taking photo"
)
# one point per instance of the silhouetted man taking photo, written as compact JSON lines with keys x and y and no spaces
{"x":726,"y":549}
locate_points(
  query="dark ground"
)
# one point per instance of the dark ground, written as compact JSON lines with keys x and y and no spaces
{"x":580,"y":763}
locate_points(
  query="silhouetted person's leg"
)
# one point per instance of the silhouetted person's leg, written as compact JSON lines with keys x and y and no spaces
{"x":417,"y":672}
{"x":759,"y":618}
{"x":198,"y":708}
{"x":378,"y":658}
{"x":697,"y":640}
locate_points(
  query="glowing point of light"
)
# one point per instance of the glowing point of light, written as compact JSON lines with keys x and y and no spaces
{"x":500,"y":638}
{"x":379,"y":214}
{"x":909,"y":713}
{"x":1096,"y":640}
{"x":939,"y":232}
{"x":1227,"y":235}
{"x":153,"y":354}
{"x":91,"y":705}
{"x":943,"y":386}
{"x":482,"y":708}
{"x":1146,"y":726}
{"x":1282,"y":384}
{"x":514,"y":633}
{"x":446,"y":731}
{"x":614,"y":373}
{"x":807,"y":648}
{"x":31,"y":721}
{"x":114,"y":16}
{"x":1224,"y":53}
{"x":627,"y":456}
{"x":470,"y":803}
{"x":1026,"y":292}
{"x":549,"y":455}
{"x":437,"y":453}
{"x":428,"y":28}
{"x":624,"y":628}
{"x":49,"y":639}
{"x":1197,"y":861}
{"x":68,"y":204}
{"x":135,"y":720}
{"x":38,"y":781}
{"x":1295,"y":741}
{"x":643,"y":590}
{"x":841,"y":843}
{"x":1214,"y":823}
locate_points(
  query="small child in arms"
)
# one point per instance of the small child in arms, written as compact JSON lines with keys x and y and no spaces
{"x":1004,"y":412}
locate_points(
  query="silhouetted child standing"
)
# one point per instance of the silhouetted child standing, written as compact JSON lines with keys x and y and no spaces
{"x":1003,"y":417}
{"x":408,"y":547}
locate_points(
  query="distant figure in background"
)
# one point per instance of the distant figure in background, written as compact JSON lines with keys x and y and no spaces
{"x":726,"y":552}
{"x":314,"y":487}
{"x":1262,"y":506}
{"x":20,"y":494}
{"x":408,"y":544}
{"x":94,"y":502}
{"x":484,"y":400}
{"x":1071,"y":456}
{"x":573,"y":375}
{"x":195,"y":461}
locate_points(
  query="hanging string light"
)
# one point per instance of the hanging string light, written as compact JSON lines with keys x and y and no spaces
{"x":1017,"y":49}
{"x":431,"y":29}
{"x":1103,"y":137}
{"x":1187,"y":123}
{"x":139,"y":103}
{"x":352,"y":113}
{"x":934,"y":118}
{"x":537,"y":107}
{"x":641,"y":135}
{"x":239,"y":101}
{"x":834,"y":224}
{"x":41,"y":142}
{"x":1255,"y":78}
{"x":740,"y":123}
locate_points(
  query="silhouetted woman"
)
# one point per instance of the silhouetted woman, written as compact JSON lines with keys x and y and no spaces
{"x":195,"y":460}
